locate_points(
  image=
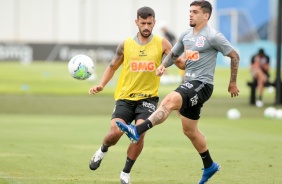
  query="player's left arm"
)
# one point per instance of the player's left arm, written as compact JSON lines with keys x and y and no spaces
{"x":234,"y":65}
{"x":166,"y":47}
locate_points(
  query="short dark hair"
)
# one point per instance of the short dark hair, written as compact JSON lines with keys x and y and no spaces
{"x":205,"y":5}
{"x":145,"y":12}
{"x":261,"y":51}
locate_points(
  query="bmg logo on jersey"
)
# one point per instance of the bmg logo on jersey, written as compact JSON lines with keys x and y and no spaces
{"x":151,"y":107}
{"x":192,"y":55}
{"x":142,"y":66}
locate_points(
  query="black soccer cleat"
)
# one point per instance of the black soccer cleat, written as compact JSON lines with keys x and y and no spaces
{"x":96,"y":159}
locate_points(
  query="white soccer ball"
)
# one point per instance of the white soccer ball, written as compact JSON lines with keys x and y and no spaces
{"x":279,"y":114}
{"x":270,"y":112}
{"x":233,"y":114}
{"x":81,"y":67}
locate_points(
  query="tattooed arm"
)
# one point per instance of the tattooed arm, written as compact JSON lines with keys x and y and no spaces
{"x":169,"y":59}
{"x":167,"y":62}
{"x":110,"y":70}
{"x":232,"y":88}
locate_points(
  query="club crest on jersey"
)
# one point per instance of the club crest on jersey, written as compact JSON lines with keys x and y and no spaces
{"x":200,"y":41}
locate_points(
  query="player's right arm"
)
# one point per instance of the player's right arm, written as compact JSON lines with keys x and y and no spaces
{"x":168,"y":61}
{"x":110,"y":70}
{"x":181,"y":62}
{"x":172,"y":57}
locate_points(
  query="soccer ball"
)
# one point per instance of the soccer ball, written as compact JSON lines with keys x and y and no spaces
{"x":270,"y":112}
{"x":233,"y":114}
{"x":279,"y":114}
{"x":81,"y":67}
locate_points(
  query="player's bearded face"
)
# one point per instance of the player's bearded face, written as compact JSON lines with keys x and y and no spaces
{"x":145,"y":26}
{"x":192,"y":24}
{"x":145,"y":33}
{"x":196,"y":16}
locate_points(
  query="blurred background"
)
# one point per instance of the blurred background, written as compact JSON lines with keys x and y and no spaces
{"x":55,"y":30}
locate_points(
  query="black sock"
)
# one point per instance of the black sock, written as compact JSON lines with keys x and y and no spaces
{"x":104,"y":148}
{"x":128,"y":165}
{"x":143,"y":127}
{"x":207,"y":160}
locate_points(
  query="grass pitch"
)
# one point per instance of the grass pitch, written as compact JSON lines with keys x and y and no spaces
{"x":50,"y":127}
{"x":57,"y":148}
{"x":52,"y":78}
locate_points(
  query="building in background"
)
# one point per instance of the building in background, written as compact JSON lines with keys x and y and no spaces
{"x":83,"y":21}
{"x":58,"y":29}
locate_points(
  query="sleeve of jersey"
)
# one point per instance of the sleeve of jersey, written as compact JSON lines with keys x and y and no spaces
{"x":178,"y":48}
{"x":221,"y":44}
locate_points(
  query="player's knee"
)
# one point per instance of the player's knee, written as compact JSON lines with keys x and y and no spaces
{"x":172,"y":102}
{"x":112,"y":137}
{"x":191,"y":133}
{"x":188,"y":133}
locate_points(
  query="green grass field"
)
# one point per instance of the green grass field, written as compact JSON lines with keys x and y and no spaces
{"x":50,"y":127}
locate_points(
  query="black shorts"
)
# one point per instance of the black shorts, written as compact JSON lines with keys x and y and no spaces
{"x":133,"y":110}
{"x":194,"y":95}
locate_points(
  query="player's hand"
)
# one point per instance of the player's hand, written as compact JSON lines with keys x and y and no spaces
{"x":95,"y":89}
{"x":160,"y":70}
{"x":233,"y":89}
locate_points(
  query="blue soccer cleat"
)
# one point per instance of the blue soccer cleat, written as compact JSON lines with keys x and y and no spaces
{"x":209,"y":172}
{"x":130,"y":131}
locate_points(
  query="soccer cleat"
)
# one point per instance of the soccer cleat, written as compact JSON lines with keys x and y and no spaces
{"x":130,"y":131}
{"x":209,"y":172}
{"x":96,"y":159}
{"x":124,"y":178}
